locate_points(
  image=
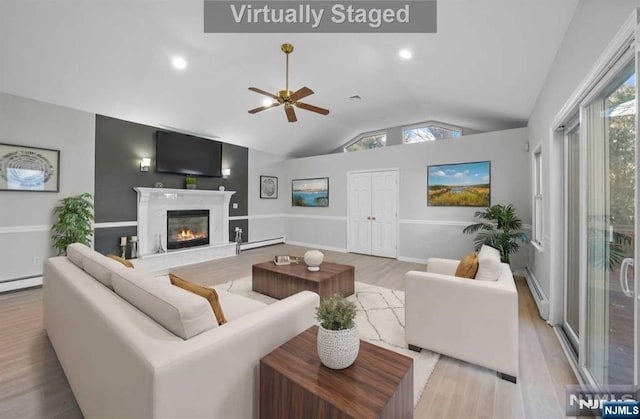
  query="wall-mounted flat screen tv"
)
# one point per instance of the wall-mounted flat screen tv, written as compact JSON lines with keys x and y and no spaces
{"x":188,"y":155}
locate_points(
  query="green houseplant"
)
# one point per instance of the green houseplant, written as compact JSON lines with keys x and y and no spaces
{"x":190,"y":182}
{"x":74,"y":222}
{"x":500,"y":229}
{"x":338,"y":338}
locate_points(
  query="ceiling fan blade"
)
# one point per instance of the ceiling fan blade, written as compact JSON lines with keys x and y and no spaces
{"x":302,"y":93}
{"x":291,"y":113}
{"x":262,"y":108}
{"x":312,"y":108}
{"x":262,"y":92}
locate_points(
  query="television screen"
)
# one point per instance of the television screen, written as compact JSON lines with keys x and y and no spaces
{"x":188,"y":155}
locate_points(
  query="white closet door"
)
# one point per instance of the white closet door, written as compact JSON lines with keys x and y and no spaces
{"x":360,"y":213}
{"x":384,"y":208}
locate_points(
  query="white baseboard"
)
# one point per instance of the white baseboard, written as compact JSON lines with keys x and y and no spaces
{"x":412,"y":260}
{"x":261,"y":243}
{"x":20,"y":284}
{"x":541,"y":299}
{"x":318,"y":246}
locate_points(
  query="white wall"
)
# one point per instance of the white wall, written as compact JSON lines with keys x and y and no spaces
{"x":26,"y":217}
{"x":593,"y":26}
{"x":424,"y":231}
{"x":266,"y":216}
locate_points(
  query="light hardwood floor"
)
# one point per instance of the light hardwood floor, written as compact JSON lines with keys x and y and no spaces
{"x":33,"y":385}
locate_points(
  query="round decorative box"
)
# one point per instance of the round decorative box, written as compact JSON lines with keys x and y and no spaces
{"x":313,"y":259}
{"x":338,"y":349}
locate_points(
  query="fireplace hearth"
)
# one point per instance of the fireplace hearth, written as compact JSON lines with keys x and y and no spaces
{"x":187,"y":228}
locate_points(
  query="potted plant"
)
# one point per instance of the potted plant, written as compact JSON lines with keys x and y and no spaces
{"x":501,"y":230}
{"x":74,"y":223}
{"x":338,"y":339}
{"x":190,"y":182}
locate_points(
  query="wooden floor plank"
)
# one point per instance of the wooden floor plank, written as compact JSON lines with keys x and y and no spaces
{"x":33,"y":385}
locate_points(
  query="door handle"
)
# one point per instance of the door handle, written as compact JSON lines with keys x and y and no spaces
{"x":624,"y":276}
{"x":368,"y":218}
{"x":373,"y":218}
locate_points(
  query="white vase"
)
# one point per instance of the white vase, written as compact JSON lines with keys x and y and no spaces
{"x":313,"y":259}
{"x":338,"y":349}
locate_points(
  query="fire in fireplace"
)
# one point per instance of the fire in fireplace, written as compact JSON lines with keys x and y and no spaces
{"x":187,"y":228}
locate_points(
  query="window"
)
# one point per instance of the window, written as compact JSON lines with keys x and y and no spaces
{"x":367,"y":142}
{"x":430,"y":132}
{"x":536,"y":232}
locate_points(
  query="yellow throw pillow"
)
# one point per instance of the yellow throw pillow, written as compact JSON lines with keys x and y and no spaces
{"x":119,"y":259}
{"x":209,"y":293}
{"x":468,"y":266}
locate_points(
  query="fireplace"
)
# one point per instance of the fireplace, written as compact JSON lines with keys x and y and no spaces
{"x":187,"y":228}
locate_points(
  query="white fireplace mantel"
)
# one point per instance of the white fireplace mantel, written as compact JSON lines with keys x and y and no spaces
{"x":153,"y":204}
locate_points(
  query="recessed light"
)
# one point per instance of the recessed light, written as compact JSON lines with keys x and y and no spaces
{"x":179,"y":63}
{"x":267,"y":102}
{"x":405,"y":54}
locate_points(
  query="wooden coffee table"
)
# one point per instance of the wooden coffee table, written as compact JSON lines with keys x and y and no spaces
{"x":285,"y":280}
{"x":294,"y":384}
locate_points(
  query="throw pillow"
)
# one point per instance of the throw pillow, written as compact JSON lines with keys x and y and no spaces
{"x":489,"y":264}
{"x":209,"y":293}
{"x":117,"y":258}
{"x":468,"y":266}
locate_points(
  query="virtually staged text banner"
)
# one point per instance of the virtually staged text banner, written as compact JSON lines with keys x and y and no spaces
{"x":326,"y":16}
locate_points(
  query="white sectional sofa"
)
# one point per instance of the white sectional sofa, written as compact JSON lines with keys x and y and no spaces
{"x":122,"y":364}
{"x":472,"y":320}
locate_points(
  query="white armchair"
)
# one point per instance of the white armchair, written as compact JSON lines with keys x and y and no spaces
{"x":475,"y":321}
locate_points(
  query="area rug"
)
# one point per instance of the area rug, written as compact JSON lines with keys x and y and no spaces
{"x":380,"y":320}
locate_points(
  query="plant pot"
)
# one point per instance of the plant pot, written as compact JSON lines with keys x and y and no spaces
{"x":338,"y":349}
{"x":191,"y":186}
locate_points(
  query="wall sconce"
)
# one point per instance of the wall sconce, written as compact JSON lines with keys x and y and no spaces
{"x":145,"y":163}
{"x":226,"y":173}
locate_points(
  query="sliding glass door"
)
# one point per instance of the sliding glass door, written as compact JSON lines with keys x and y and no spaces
{"x":609,"y":137}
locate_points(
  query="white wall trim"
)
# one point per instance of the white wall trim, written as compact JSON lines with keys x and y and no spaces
{"x":447,"y":223}
{"x":116,"y":224}
{"x":239,"y":217}
{"x":24,"y":229}
{"x":263,"y":216}
{"x":412,"y":260}
{"x":317,"y":246}
{"x":318,"y":217}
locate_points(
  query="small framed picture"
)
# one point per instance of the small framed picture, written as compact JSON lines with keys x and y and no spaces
{"x":30,"y":169}
{"x":268,"y":187}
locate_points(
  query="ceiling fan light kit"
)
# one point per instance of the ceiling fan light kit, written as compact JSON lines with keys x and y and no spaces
{"x":286,"y":97}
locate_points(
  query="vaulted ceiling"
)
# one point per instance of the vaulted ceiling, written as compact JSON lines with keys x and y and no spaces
{"x":482,"y":70}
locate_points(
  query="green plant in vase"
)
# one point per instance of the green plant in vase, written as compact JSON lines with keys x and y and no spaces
{"x":338,"y":338}
{"x":501,"y":230}
{"x":190,"y":182}
{"x":74,"y":222}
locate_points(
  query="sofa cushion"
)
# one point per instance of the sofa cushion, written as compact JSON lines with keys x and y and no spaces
{"x":76,"y":252}
{"x":236,"y":306}
{"x":120,"y":260}
{"x":100,"y":267}
{"x":468,"y":266}
{"x":208,"y":293}
{"x":181,"y":312}
{"x":489,"y":265}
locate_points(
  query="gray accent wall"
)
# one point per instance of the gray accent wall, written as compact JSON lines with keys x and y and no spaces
{"x":26,"y":217}
{"x":120,"y":145}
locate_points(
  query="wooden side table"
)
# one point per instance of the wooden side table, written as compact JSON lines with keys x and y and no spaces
{"x":294,"y":384}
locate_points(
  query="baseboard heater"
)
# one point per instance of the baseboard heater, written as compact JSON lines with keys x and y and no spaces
{"x":261,"y":243}
{"x":542,"y":301}
{"x":7,"y":285}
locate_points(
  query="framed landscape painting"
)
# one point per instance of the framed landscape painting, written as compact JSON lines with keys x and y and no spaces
{"x":268,"y":187}
{"x":310,"y":192}
{"x":459,"y":185}
{"x":29,"y":169}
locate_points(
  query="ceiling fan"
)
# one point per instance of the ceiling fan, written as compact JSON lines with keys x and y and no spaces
{"x":288,"y":98}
